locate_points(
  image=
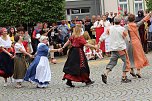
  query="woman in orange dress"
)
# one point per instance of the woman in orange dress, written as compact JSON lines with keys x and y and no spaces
{"x":136,"y":52}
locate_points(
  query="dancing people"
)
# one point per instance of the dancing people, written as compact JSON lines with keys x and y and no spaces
{"x":76,"y":67}
{"x":39,"y":71}
{"x":117,"y":36}
{"x":136,"y":53}
{"x":6,"y":56}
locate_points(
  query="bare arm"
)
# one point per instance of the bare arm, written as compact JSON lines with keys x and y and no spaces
{"x":54,"y":50}
{"x":66,"y":44}
{"x":103,"y":36}
{"x":4,"y":50}
{"x":146,"y":18}
{"x":24,"y":52}
{"x":89,"y":45}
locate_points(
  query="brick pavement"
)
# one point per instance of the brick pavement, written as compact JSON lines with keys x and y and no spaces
{"x":137,"y":90}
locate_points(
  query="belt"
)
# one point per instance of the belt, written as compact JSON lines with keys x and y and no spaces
{"x":20,"y":54}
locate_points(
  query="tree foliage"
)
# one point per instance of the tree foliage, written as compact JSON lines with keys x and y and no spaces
{"x":15,"y":12}
{"x":149,"y":4}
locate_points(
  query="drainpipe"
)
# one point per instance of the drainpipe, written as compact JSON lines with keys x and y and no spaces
{"x":100,"y":7}
{"x":103,"y":7}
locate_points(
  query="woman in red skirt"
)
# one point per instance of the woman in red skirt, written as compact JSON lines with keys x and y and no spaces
{"x":6,"y":56}
{"x":76,"y":67}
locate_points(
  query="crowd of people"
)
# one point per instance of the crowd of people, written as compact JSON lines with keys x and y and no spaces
{"x":25,"y":57}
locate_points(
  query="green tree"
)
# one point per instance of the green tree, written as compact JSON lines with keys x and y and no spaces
{"x":149,"y":4}
{"x":15,"y":12}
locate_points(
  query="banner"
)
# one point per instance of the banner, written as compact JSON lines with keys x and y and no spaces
{"x":99,"y":32}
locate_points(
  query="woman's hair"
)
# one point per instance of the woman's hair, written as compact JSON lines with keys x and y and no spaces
{"x":10,"y":33}
{"x":16,"y":38}
{"x":86,"y":35}
{"x":20,"y":29}
{"x":77,"y":30}
{"x":3,"y":29}
{"x":131,"y":17}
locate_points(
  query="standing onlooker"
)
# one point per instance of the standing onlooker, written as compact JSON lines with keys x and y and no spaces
{"x":63,"y":31}
{"x":150,"y":35}
{"x":87,"y":25}
{"x":106,"y":24}
{"x":12,"y":33}
{"x":35,"y":36}
{"x":111,"y":16}
{"x":98,"y":22}
{"x":20,"y":64}
{"x":142,"y":30}
{"x":6,"y":56}
{"x":93,"y":20}
{"x":107,"y":17}
{"x":45,"y":27}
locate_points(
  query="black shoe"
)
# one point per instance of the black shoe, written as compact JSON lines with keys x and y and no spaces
{"x":138,"y":75}
{"x":69,"y":83}
{"x":104,"y":78}
{"x":125,"y":80}
{"x":133,"y":74}
{"x":89,"y":83}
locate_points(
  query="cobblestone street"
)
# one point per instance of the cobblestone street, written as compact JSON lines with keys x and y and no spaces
{"x":137,"y":90}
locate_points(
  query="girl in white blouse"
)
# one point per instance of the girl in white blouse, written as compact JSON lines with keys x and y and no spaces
{"x":20,"y":64}
{"x":6,"y":56}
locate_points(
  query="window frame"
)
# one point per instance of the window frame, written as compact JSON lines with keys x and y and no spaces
{"x":138,"y":2}
{"x":123,"y":3}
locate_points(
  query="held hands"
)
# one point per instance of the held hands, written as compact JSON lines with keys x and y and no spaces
{"x":31,"y":56}
{"x":60,"y":50}
{"x":10,"y":55}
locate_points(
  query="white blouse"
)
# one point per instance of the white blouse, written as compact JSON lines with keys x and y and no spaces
{"x":5,"y":43}
{"x":19,"y":46}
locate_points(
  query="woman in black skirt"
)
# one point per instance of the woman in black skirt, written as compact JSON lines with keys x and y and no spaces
{"x":76,"y":67}
{"x":6,"y":56}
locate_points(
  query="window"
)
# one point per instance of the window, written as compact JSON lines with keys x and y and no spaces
{"x":138,"y":6}
{"x":75,"y":11}
{"x":68,"y":11}
{"x":122,"y":0}
{"x":78,"y":11}
{"x":85,"y":10}
{"x":124,"y":5}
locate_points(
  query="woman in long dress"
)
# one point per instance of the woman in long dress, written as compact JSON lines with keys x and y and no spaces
{"x":39,"y":70}
{"x":20,"y":63}
{"x":76,"y":67}
{"x":6,"y":56}
{"x":136,"y":53}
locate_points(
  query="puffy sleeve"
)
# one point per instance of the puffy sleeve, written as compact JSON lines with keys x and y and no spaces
{"x":1,"y":45}
{"x":82,"y":40}
{"x":17,"y":47}
{"x":71,"y":38}
{"x":41,"y":47}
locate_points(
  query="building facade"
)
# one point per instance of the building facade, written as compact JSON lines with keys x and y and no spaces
{"x":82,"y":8}
{"x":131,"y":6}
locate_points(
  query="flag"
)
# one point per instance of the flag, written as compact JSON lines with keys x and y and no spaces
{"x":99,"y":32}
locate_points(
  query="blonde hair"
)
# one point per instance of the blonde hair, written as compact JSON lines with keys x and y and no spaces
{"x":77,"y":30}
{"x":92,"y":42}
{"x":86,"y":35}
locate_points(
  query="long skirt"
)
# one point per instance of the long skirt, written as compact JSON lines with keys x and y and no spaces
{"x":39,"y":71}
{"x":20,"y":67}
{"x":76,"y":67}
{"x":6,"y":65}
